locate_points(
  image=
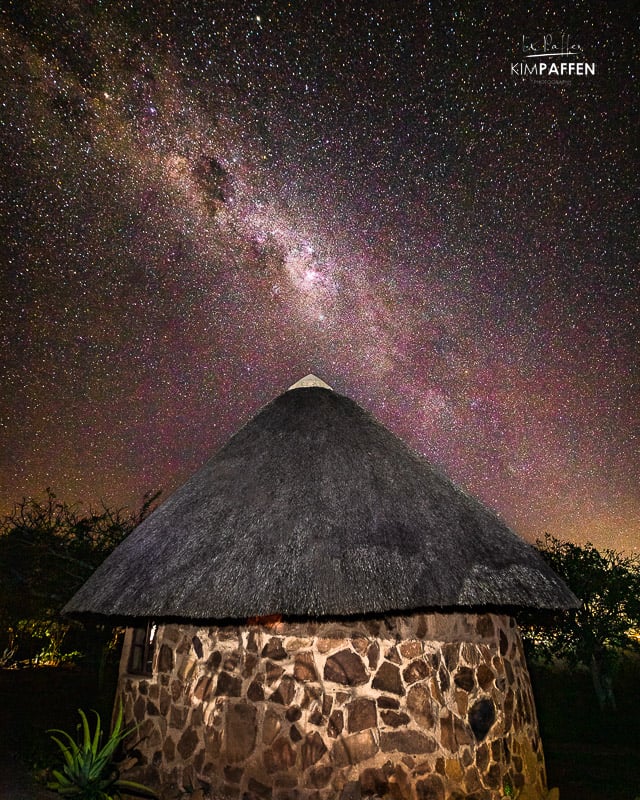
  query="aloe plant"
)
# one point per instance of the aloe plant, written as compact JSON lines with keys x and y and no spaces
{"x":89,"y":771}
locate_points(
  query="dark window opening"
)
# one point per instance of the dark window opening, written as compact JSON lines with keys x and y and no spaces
{"x":142,"y":646}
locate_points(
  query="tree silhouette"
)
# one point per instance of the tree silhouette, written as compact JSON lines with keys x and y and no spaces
{"x":608,"y":583}
{"x":48,"y":549}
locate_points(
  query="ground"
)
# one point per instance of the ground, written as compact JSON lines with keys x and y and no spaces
{"x":17,"y":783}
{"x":590,"y":755}
{"x":32,"y":701}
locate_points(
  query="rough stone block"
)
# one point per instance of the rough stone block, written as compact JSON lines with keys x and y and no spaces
{"x":197,"y":646}
{"x":169,"y":749}
{"x":231,"y":662}
{"x":482,"y":715}
{"x":319,"y":777}
{"x":420,"y":704}
{"x":336,"y":723}
{"x":274,"y":649}
{"x":431,"y":788}
{"x":304,"y":668}
{"x":373,"y":781}
{"x":240,"y":731}
{"x":373,"y":655}
{"x":176,"y":689}
{"x":360,"y":643}
{"x":415,"y":671}
{"x":412,"y":648}
{"x":326,"y":643}
{"x":472,"y":780}
{"x":470,"y":653}
{"x":286,"y":781}
{"x":187,"y":667}
{"x":345,"y":667}
{"x":250,"y":663}
{"x":274,"y":671}
{"x":165,"y":702}
{"x":203,"y":688}
{"x":395,"y":719}
{"x":388,"y":702}
{"x":165,"y":659}
{"x":285,"y":692}
{"x":255,"y":691}
{"x":493,"y":776}
{"x":152,"y":709}
{"x":462,"y":702}
{"x":214,"y":661}
{"x":464,"y":679}
{"x":484,"y":676}
{"x":392,"y":654}
{"x":312,"y":694}
{"x":453,"y":770}
{"x":362,"y":714}
{"x":281,"y":756}
{"x":408,"y":741}
{"x":271,"y":726}
{"x":355,"y":748}
{"x":451,"y":654}
{"x":388,"y":679}
{"x":228,"y":685}
{"x":313,"y":748}
{"x":188,"y":743}
{"x":482,"y":757}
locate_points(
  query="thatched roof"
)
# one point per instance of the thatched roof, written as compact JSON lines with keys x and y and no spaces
{"x":316,"y":509}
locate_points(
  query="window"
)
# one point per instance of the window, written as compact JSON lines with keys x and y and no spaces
{"x":142,"y":645}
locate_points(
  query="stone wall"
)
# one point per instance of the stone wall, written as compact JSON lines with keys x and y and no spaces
{"x":425,"y":707}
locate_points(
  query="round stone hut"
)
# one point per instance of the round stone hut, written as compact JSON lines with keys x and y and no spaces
{"x":321,"y":613}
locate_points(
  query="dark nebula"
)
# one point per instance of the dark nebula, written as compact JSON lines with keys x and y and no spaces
{"x":203,"y":202}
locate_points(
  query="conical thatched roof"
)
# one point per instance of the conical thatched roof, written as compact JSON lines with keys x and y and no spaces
{"x":315,"y":509}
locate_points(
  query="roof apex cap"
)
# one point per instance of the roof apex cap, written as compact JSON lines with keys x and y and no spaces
{"x":310,"y":380}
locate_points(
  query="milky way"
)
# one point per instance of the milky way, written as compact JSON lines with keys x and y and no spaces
{"x":200,"y":206}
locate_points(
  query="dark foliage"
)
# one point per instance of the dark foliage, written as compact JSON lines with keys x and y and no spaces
{"x":48,"y":549}
{"x":608,"y":620}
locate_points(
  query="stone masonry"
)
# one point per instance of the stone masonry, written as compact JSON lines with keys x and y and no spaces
{"x":423,"y":707}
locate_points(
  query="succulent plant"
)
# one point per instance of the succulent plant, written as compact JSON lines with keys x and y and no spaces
{"x":89,"y":771}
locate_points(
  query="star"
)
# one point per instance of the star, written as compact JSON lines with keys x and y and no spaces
{"x":205,"y":202}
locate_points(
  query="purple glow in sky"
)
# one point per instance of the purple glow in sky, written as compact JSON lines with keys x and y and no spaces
{"x":202,"y":205}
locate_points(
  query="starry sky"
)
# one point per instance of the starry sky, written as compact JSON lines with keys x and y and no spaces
{"x":203,"y":202}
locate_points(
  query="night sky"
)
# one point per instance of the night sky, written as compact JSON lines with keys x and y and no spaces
{"x":200,"y":203}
